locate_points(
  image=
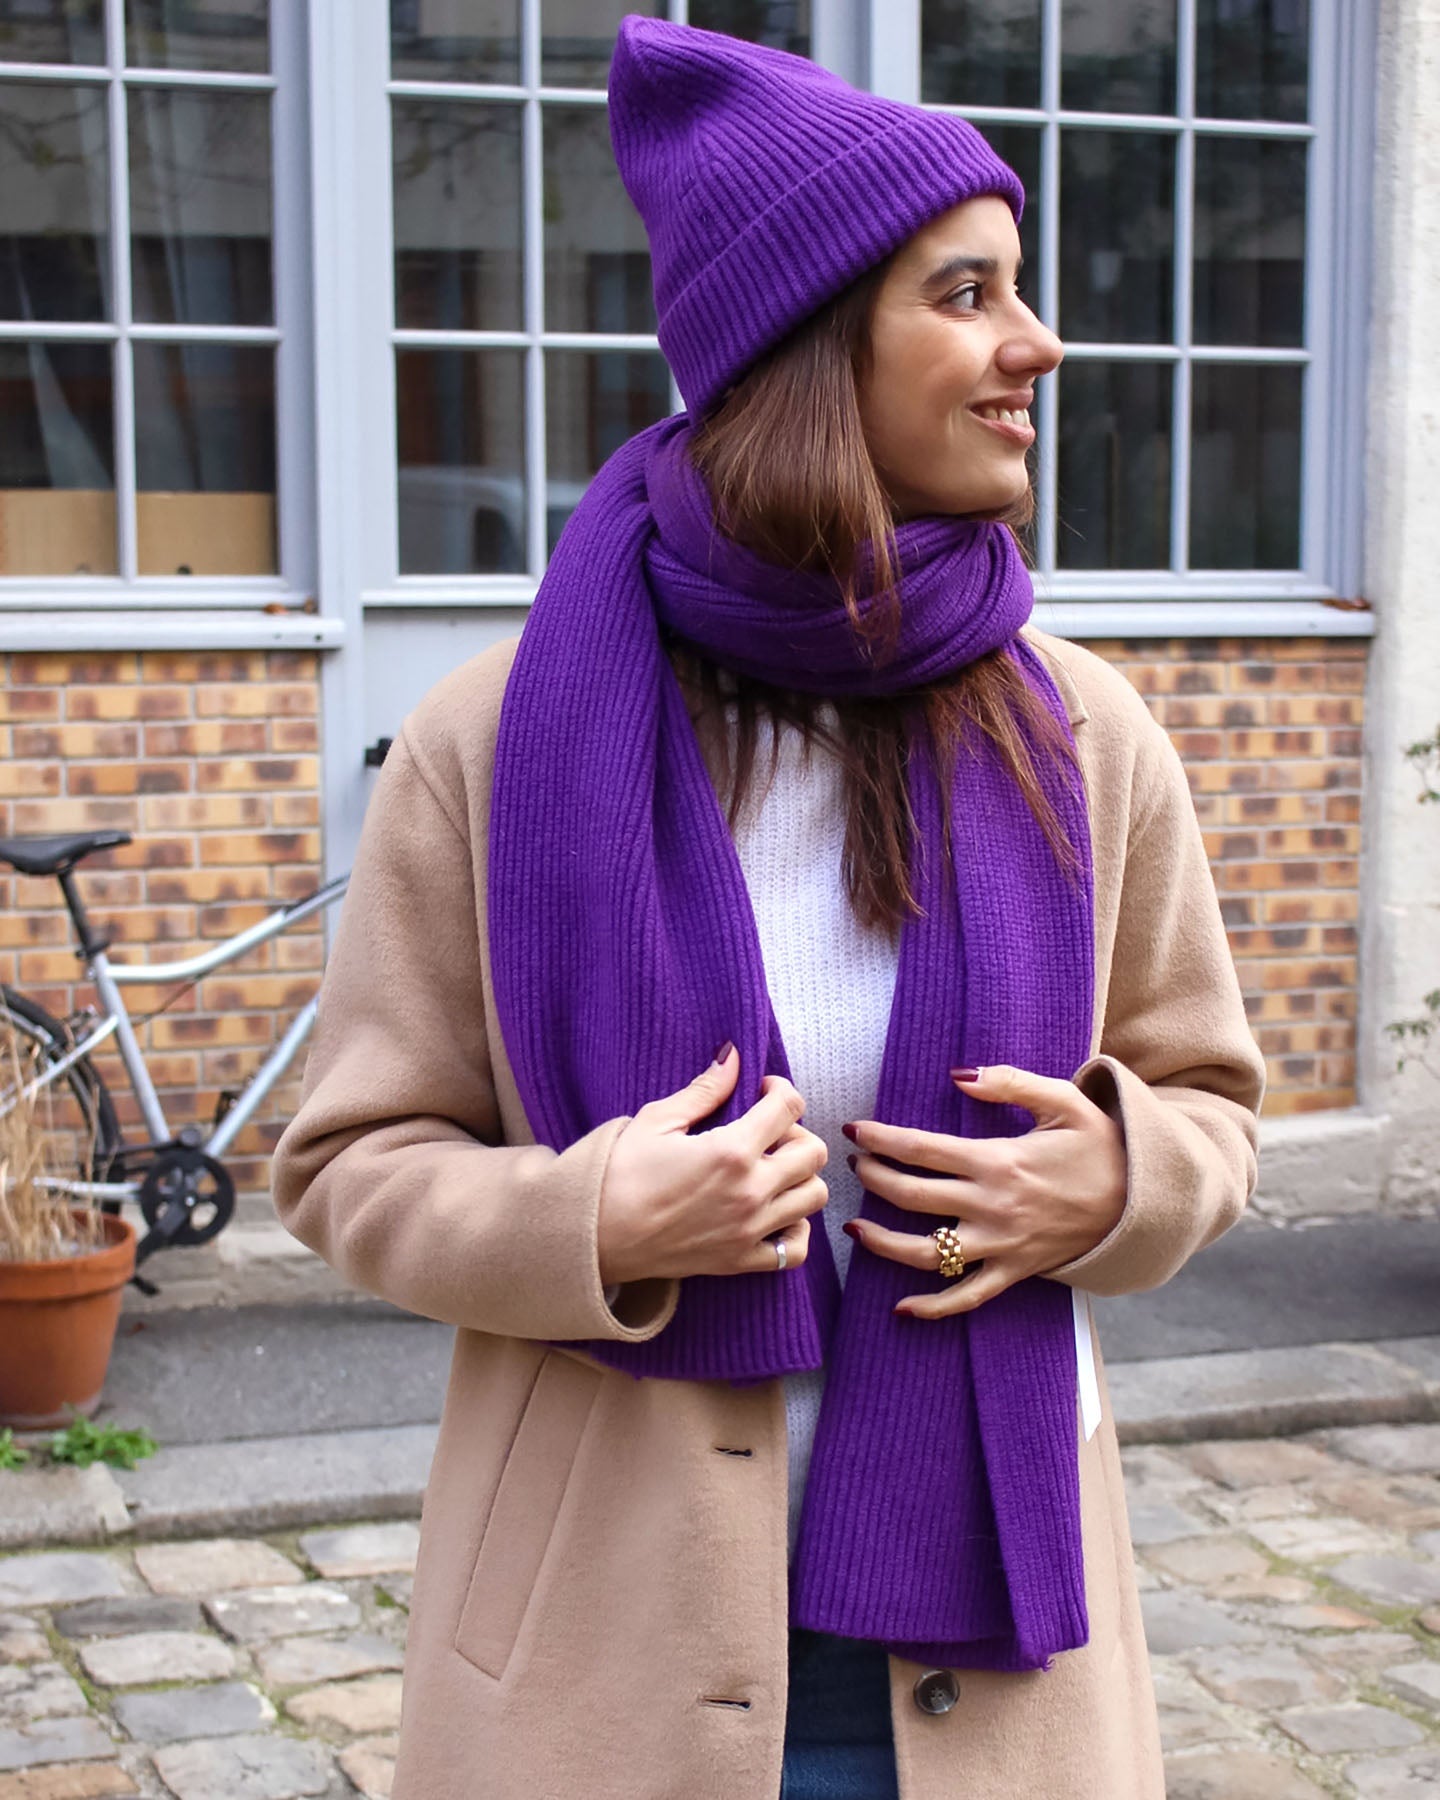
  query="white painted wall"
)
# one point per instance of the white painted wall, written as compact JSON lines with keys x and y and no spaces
{"x":1402,"y":570}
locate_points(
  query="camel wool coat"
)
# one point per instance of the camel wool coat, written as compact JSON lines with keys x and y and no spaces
{"x":600,"y":1606}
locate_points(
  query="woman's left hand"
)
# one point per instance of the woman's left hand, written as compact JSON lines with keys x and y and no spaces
{"x":1021,"y":1205}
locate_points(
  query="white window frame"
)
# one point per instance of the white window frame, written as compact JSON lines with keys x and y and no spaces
{"x":877,"y":44}
{"x":141,"y":611}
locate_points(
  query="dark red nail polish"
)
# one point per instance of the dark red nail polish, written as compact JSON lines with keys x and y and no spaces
{"x":851,"y":1228}
{"x":723,"y":1052}
{"x":852,"y":1132}
{"x":964,"y":1074}
{"x":851,"y":1161}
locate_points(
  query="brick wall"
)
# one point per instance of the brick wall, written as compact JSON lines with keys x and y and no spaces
{"x":1270,"y":734}
{"x":212,"y":762}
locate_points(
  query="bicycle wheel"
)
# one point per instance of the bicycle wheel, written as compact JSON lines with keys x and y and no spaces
{"x":74,"y":1113}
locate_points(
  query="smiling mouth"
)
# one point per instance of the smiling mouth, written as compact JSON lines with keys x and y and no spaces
{"x":1010,"y":422}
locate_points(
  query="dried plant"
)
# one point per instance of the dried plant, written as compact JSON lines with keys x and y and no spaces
{"x":39,"y":1149}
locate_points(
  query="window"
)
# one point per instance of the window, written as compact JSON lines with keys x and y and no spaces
{"x":1196,"y":232}
{"x":1179,"y":155}
{"x":524,"y":327}
{"x":149,"y":372}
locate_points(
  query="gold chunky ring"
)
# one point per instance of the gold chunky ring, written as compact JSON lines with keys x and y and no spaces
{"x":952,"y":1254}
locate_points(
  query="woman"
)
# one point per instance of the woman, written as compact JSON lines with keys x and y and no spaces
{"x":753,"y":1481}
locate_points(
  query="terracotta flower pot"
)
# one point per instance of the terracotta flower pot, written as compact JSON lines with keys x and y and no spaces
{"x":57,"y":1326}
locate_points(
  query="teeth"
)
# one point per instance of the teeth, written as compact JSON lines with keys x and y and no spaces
{"x":1003,"y":416}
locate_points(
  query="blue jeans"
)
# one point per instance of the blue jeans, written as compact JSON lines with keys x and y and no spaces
{"x":838,"y":1742}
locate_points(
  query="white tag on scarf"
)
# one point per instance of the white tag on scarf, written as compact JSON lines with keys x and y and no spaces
{"x":1085,"y":1364}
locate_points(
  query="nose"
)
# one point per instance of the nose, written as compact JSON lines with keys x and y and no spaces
{"x":1030,"y":347}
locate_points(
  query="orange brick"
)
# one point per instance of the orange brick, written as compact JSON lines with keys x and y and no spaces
{"x":211,"y":737}
{"x":296,"y":809}
{"x":30,"y":779}
{"x":294,"y":950}
{"x":175,"y":1032}
{"x":65,"y":669}
{"x":257,"y":993}
{"x":34,"y":928}
{"x":209,"y":665}
{"x":260,"y":847}
{"x":294,"y":734}
{"x":238,"y":773}
{"x":257,"y":700}
{"x":1312,"y":840}
{"x":1289,"y":909}
{"x":207,"y":885}
{"x":1275,"y":743}
{"x":1274,"y":809}
{"x":29,"y":703}
{"x":39,"y":816}
{"x":1338,"y":972}
{"x":206,"y":812}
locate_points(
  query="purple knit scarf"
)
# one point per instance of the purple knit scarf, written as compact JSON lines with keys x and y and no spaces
{"x":941,"y":1513}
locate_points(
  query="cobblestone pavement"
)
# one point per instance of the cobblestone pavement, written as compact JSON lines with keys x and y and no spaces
{"x":1291,"y":1590}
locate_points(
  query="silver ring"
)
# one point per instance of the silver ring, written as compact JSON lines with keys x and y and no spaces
{"x":780,"y":1256}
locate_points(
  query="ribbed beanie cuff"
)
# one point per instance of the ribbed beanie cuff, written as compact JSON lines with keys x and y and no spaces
{"x":767,"y":186}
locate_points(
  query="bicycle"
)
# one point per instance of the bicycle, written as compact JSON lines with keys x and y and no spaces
{"x":177,"y":1179}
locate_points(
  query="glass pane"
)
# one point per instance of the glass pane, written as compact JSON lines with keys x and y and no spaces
{"x":57,"y":461}
{"x":1020,"y":147}
{"x":1245,"y":467}
{"x":980,"y":52}
{"x":594,"y":401}
{"x":200,"y":214}
{"x":455,"y":40}
{"x":1119,"y":57}
{"x":457,"y":216}
{"x":577,"y":37}
{"x":597,"y":265}
{"x":1252,"y":59}
{"x":52,"y":31}
{"x":782,"y":24}
{"x":205,"y":458}
{"x":1114,"y":498}
{"x":1117,"y":224}
{"x":54,"y":204}
{"x":1249,"y":241}
{"x":198,"y":34}
{"x":460,"y":417}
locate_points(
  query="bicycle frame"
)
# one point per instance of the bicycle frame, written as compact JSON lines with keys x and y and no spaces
{"x":109,"y":978}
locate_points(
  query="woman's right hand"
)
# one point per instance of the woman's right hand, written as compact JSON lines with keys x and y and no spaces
{"x":673,"y":1205}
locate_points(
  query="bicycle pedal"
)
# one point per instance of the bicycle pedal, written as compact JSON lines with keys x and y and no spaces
{"x":224,"y":1105}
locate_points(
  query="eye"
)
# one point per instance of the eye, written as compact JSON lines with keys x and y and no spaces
{"x":967,"y":298}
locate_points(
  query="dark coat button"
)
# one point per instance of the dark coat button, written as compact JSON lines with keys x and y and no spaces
{"x":937,"y":1690}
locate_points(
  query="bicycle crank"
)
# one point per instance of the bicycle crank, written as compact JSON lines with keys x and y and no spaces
{"x":186,"y":1197}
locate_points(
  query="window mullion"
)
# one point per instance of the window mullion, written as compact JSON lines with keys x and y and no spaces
{"x":1180,"y":436}
{"x":532,"y":204}
{"x":1047,"y":475}
{"x":123,"y":373}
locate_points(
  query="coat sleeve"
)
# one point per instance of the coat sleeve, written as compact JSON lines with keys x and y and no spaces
{"x":394,"y":1169}
{"x":1177,"y":1063}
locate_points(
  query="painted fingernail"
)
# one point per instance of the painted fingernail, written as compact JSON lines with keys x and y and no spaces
{"x":851,"y":1161}
{"x":964,"y":1074}
{"x":902,"y":1311}
{"x":852,"y":1132}
{"x":723,"y":1053}
{"x":853,"y":1229}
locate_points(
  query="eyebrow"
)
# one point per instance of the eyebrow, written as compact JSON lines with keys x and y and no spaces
{"x":955,"y":266}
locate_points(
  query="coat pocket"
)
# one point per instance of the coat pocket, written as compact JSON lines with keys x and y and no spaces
{"x":527,"y":1504}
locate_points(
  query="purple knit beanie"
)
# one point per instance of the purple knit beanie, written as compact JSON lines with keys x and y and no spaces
{"x":767,"y":185}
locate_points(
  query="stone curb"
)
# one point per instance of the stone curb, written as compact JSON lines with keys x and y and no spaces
{"x":274,"y":1483}
{"x":1276,"y":1393}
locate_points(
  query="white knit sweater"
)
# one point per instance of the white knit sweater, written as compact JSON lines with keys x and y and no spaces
{"x":831,"y":984}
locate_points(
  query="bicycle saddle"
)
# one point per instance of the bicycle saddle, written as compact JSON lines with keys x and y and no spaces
{"x":57,"y":855}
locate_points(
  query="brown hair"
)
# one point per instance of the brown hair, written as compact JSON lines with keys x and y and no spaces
{"x":785,"y":458}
